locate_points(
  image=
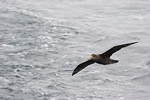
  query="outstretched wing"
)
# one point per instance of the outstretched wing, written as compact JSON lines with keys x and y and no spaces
{"x":116,"y":48}
{"x":82,"y":66}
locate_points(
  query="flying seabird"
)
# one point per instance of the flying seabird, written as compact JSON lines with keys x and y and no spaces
{"x":103,"y":58}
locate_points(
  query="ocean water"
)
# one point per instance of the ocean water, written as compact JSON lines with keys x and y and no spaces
{"x":42,"y":41}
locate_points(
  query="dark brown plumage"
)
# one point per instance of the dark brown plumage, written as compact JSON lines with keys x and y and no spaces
{"x":103,"y":58}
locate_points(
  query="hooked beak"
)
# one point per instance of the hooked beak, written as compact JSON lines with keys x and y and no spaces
{"x":90,"y":58}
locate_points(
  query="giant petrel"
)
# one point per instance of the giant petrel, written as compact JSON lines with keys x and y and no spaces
{"x":103,"y":58}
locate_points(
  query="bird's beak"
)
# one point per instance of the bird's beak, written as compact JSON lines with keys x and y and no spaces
{"x":90,"y":58}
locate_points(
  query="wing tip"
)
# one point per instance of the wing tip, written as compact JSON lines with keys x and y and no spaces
{"x":134,"y":42}
{"x":74,"y":73}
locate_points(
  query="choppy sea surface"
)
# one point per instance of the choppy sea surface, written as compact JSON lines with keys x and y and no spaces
{"x":42,"y":41}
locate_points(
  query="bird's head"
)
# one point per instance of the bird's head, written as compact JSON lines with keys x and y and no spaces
{"x":92,"y":57}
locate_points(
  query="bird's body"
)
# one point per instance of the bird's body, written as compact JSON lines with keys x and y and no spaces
{"x":103,"y":58}
{"x":98,"y":58}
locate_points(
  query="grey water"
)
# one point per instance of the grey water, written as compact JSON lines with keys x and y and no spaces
{"x":42,"y":41}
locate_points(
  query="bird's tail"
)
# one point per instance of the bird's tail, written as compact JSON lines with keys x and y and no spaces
{"x":114,"y":61}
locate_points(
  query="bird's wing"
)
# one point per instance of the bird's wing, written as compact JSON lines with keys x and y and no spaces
{"x":116,"y":48}
{"x":82,"y":66}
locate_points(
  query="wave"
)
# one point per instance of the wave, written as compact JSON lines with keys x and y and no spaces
{"x":144,"y":79}
{"x":6,"y":89}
